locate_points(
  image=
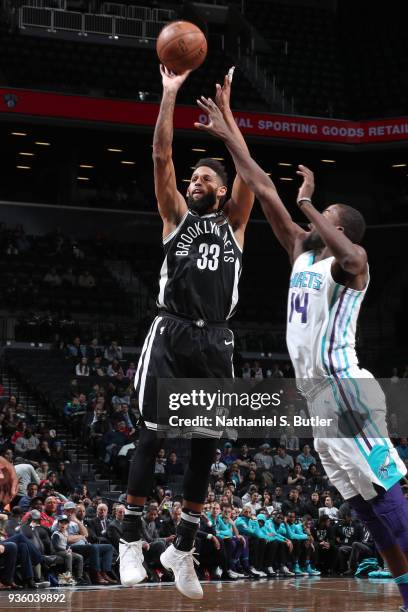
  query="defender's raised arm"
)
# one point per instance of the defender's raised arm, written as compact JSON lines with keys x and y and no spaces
{"x":286,"y":231}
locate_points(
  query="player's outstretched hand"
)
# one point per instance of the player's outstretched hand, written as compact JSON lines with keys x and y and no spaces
{"x":307,"y":187}
{"x":216,"y":123}
{"x":8,"y":481}
{"x":171,"y":80}
{"x":223,"y":94}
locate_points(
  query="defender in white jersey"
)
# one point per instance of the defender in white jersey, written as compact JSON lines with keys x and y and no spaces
{"x":328,"y":282}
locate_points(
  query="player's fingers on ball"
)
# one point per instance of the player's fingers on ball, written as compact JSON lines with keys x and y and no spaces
{"x":202,"y":105}
{"x":200,"y":126}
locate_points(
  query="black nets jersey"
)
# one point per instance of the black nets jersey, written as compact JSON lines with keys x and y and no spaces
{"x":201,"y":269}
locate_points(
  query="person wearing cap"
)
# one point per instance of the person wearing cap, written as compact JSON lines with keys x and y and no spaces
{"x":72,"y":561}
{"x":218,"y":467}
{"x":46,"y":519}
{"x":100,"y":555}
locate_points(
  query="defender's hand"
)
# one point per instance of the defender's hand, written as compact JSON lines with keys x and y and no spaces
{"x":307,"y":187}
{"x":223,"y":94}
{"x":216,"y":122}
{"x":171,"y":81}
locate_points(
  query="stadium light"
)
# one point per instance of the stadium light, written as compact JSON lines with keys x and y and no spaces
{"x":328,"y":161}
{"x":18,"y":134}
{"x":115,"y":150}
{"x":128,"y":163}
{"x":398,"y":166}
{"x":284,"y":164}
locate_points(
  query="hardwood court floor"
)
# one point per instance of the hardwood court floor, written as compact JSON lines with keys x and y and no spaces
{"x":295,"y":595}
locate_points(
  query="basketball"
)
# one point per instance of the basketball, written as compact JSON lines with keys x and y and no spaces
{"x":181,"y":46}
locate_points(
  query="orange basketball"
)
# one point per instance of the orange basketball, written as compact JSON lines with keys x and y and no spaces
{"x":181,"y":46}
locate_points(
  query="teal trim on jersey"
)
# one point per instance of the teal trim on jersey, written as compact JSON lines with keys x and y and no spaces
{"x":401,"y":579}
{"x":353,"y":305}
{"x":312,"y":258}
{"x":344,"y":412}
{"x":360,"y":401}
{"x":384,"y":466}
{"x":322,"y":348}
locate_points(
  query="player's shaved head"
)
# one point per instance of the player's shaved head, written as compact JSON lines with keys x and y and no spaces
{"x":351,"y":220}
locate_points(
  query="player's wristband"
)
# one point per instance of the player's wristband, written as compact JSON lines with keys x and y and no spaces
{"x":301,"y":201}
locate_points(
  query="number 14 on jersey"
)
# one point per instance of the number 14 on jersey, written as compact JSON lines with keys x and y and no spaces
{"x":299,"y":306}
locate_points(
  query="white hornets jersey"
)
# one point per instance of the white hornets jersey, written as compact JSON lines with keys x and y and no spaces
{"x":322,"y":320}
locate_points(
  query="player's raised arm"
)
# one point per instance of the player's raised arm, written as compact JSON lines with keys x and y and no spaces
{"x":350,"y":257}
{"x":239,"y":206}
{"x":172,"y":205}
{"x":286,"y":231}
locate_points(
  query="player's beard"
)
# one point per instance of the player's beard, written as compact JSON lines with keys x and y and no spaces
{"x":204,"y":204}
{"x":313,"y":242}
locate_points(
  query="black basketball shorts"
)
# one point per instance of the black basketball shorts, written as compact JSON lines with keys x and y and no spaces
{"x":179,"y":348}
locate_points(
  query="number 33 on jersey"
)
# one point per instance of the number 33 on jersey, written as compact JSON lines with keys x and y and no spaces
{"x":201,"y":269}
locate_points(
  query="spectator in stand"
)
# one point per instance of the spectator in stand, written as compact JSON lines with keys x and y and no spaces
{"x":113,"y":441}
{"x":218,"y":468}
{"x":114,"y":529}
{"x":73,"y":562}
{"x":25,"y":500}
{"x":264,"y":458}
{"x":100,"y":555}
{"x":82,"y":368}
{"x":21,"y":427}
{"x":312,"y":506}
{"x":99,"y":524}
{"x":296,"y":476}
{"x":174,"y":467}
{"x":314,"y":478}
{"x":27,"y":442}
{"x":52,"y":278}
{"x":326,"y":551}
{"x":347,"y":532}
{"x":86,"y":280}
{"x":25,"y":474}
{"x":76,"y":349}
{"x":329,"y":509}
{"x":228,"y":457}
{"x":293,"y":503}
{"x":94,"y":350}
{"x":402,"y":449}
{"x":254,"y":502}
{"x":97,"y":369}
{"x":47,"y":510}
{"x":113,"y":351}
{"x":276,"y":371}
{"x":249,"y":485}
{"x":114,"y":369}
{"x":305,"y":458}
{"x":361,"y":550}
{"x":289,"y":439}
{"x":244,"y":458}
{"x":168,"y":528}
{"x":282,"y":459}
{"x":151,"y":535}
{"x":258,"y":373}
{"x":235,"y":476}
{"x":68,"y":278}
{"x":131,"y":371}
{"x":14,"y":522}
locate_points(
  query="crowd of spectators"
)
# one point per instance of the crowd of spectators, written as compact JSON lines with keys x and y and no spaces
{"x":270,"y":509}
{"x":268,"y":513}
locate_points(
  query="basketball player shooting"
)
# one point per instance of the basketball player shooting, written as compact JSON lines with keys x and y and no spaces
{"x":203,"y":241}
{"x":328,"y":283}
